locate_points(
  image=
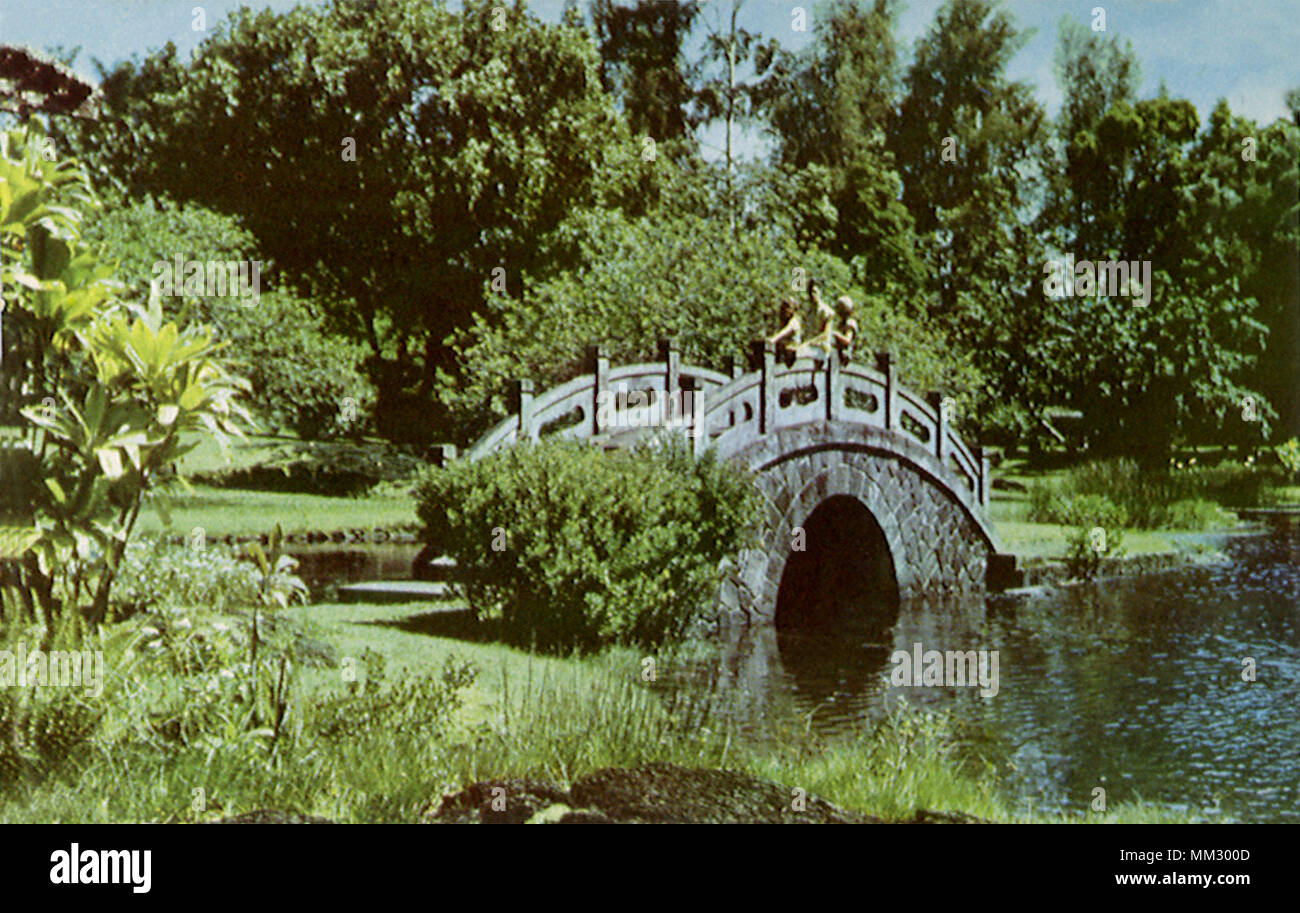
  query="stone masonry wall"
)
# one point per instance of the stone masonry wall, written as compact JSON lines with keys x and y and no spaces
{"x":937,"y":545}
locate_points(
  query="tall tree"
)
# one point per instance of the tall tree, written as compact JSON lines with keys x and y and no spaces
{"x":828,"y":106}
{"x":643,"y":64}
{"x":1246,"y":198}
{"x":967,"y":141}
{"x":1095,"y":72}
{"x":723,"y":92}
{"x":1177,"y":369}
{"x":393,"y":157}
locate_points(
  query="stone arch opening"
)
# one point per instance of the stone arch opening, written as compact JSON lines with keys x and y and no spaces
{"x":844,"y":576}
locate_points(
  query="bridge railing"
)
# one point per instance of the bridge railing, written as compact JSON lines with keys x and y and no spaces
{"x":583,"y":407}
{"x":728,"y":411}
{"x":777,"y":395}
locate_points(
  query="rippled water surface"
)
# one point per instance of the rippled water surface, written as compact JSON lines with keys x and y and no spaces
{"x":1134,"y":685}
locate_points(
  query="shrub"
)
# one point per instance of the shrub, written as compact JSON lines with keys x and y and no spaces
{"x":374,"y":707}
{"x":571,"y":546}
{"x":1049,"y":504}
{"x":1197,"y":513}
{"x":302,"y":378}
{"x":158,"y":576}
{"x":1230,"y":484}
{"x":1088,"y":545}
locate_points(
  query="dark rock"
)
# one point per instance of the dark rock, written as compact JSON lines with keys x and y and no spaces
{"x":666,"y":793}
{"x":651,"y":794}
{"x":585,"y":816}
{"x":498,"y":802}
{"x":925,"y":816}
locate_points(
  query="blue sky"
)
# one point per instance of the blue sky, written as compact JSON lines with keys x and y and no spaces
{"x":1243,"y":50}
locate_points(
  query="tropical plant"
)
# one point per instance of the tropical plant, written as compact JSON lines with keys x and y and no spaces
{"x":110,"y":393}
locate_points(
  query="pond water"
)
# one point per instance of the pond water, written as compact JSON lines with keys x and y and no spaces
{"x":1134,"y":685}
{"x":324,"y":567}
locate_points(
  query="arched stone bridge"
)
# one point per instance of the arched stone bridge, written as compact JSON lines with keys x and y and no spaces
{"x":851,"y":466}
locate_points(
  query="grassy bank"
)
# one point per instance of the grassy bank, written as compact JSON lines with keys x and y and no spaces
{"x":233,"y":511}
{"x":366,"y":713}
{"x":387,"y":757}
{"x":230,"y":511}
{"x":1011,"y":513}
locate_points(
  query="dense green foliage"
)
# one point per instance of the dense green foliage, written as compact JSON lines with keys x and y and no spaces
{"x":644,"y":282}
{"x":388,"y":156}
{"x":1121,"y":492}
{"x":968,"y":142}
{"x":496,"y":167}
{"x":302,"y":377}
{"x":642,"y":62}
{"x":827,"y":106}
{"x":569,"y":546}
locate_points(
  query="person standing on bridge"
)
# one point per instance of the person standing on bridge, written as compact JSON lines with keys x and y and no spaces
{"x":846,"y":328}
{"x":818,"y":347}
{"x":839,"y":328}
{"x":787,"y":338}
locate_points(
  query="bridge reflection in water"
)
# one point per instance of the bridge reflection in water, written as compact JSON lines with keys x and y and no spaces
{"x":832,"y":675}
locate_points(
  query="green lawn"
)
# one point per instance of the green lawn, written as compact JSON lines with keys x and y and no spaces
{"x":229,"y":511}
{"x":241,"y":512}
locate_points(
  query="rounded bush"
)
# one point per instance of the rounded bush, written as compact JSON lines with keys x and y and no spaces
{"x":569,"y":546}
